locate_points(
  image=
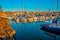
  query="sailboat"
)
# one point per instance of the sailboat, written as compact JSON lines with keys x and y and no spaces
{"x":53,"y":27}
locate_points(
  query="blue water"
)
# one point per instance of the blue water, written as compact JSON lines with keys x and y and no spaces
{"x":31,"y":31}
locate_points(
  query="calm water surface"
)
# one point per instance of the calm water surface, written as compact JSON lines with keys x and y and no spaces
{"x":31,"y":31}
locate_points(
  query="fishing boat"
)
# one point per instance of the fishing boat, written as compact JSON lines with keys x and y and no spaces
{"x":24,"y":19}
{"x":54,"y":27}
{"x":17,"y":20}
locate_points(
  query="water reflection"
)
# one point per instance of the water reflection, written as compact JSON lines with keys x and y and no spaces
{"x":31,"y":31}
{"x":9,"y":38}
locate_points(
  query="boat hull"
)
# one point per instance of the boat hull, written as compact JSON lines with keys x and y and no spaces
{"x":51,"y":30}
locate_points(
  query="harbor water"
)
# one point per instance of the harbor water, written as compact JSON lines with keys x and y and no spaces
{"x":31,"y":31}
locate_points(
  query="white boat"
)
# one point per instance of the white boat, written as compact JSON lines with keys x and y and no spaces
{"x":35,"y":19}
{"x":54,"y":27}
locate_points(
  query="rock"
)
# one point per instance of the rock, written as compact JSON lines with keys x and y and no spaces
{"x":5,"y":28}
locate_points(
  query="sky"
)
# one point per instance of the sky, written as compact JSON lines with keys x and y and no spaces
{"x":29,"y":5}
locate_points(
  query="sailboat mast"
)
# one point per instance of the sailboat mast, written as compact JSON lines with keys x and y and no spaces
{"x":37,"y":6}
{"x":57,"y":7}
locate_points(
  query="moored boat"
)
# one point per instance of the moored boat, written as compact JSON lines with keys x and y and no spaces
{"x":35,"y":19}
{"x":30,"y":19}
{"x":54,"y":27}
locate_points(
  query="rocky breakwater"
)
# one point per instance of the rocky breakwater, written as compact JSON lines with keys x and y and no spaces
{"x":6,"y":31}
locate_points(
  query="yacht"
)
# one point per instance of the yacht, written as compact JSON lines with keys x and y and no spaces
{"x":54,"y":27}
